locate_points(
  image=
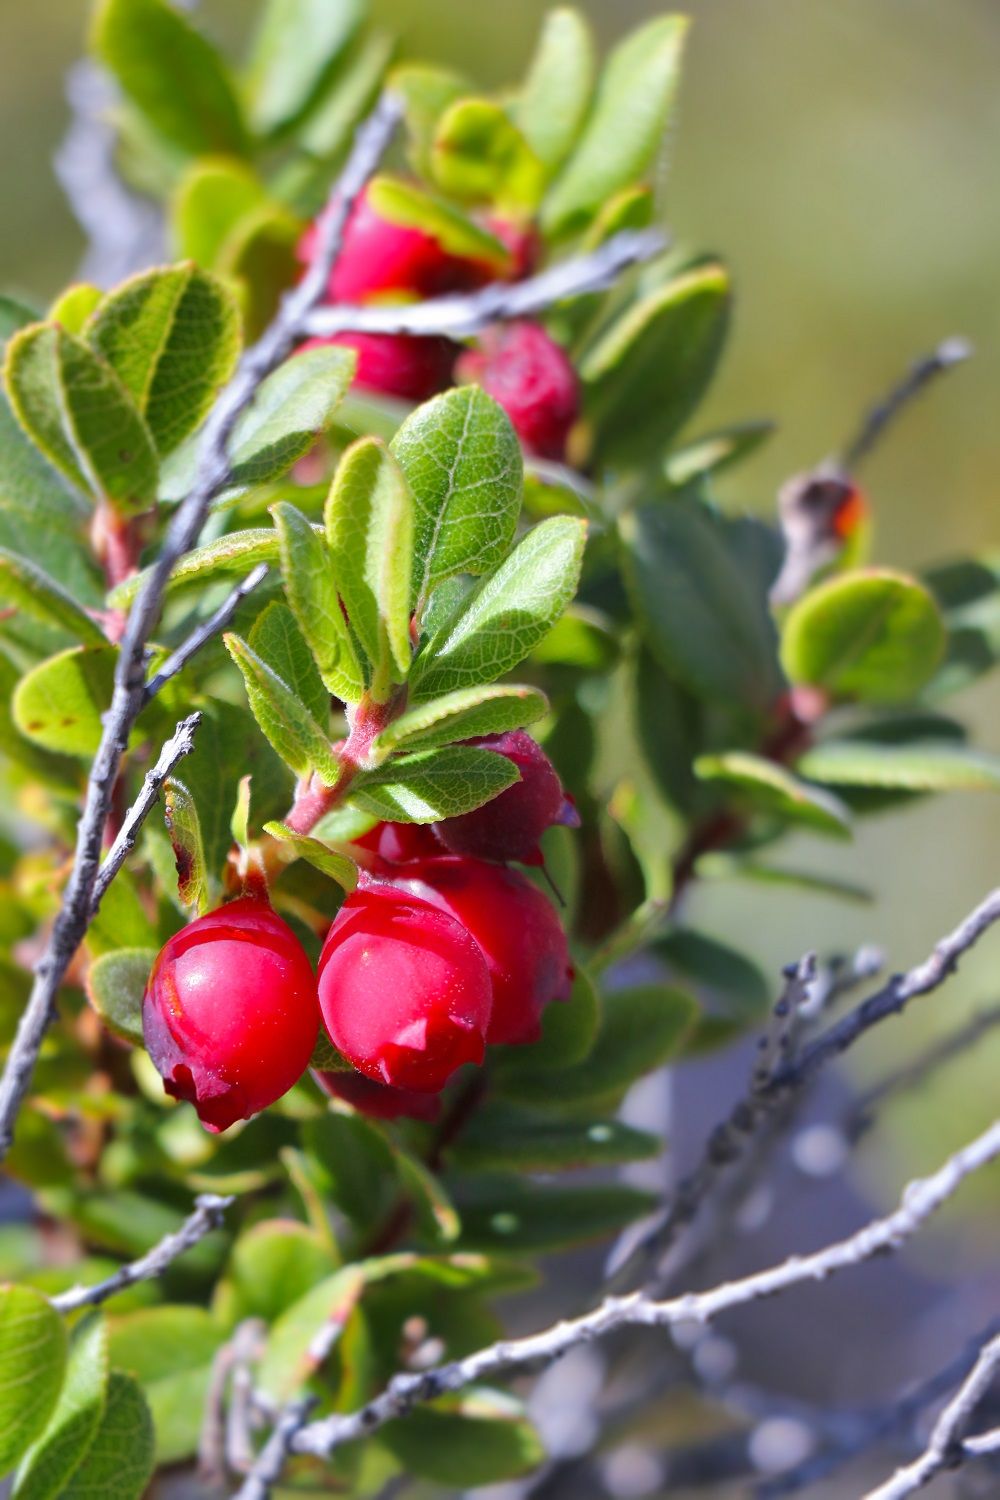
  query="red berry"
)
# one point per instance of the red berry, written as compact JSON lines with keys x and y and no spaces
{"x":516,"y":928}
{"x":524,"y":243}
{"x":404,"y":990}
{"x":510,"y":826}
{"x":396,"y":843}
{"x":230,"y":1015}
{"x":377,"y":1100}
{"x":398,"y":364}
{"x":531,"y":377}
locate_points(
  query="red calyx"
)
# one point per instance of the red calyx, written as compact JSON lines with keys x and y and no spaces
{"x":377,"y":1100}
{"x":517,"y":930}
{"x":404,"y":990}
{"x":531,"y":377}
{"x":230,"y":1015}
{"x":510,"y":826}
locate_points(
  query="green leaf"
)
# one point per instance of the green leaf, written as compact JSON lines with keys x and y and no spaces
{"x":297,"y":45}
{"x":72,"y":310}
{"x":729,"y":867}
{"x":328,"y":130}
{"x":273,"y":1264}
{"x":278,"y":641}
{"x":75,"y":408}
{"x":180,"y":813}
{"x":509,"y":1214}
{"x":569,"y":1029}
{"x":506,"y":615}
{"x":552,"y":104}
{"x":623,"y":133}
{"x":640,"y":1030}
{"x":503,"y":1136}
{"x":648,"y":372}
{"x":169,"y":1350}
{"x":698,"y":605}
{"x":714,"y":451}
{"x":464,"y":715}
{"x":462,"y":462}
{"x":404,"y":203}
{"x":433,"y":784}
{"x":119,"y":1460}
{"x":776,"y":792}
{"x":479,"y":156}
{"x":473,"y":1438}
{"x":172,"y":335}
{"x":727,"y":983}
{"x":234,"y":555}
{"x":671,"y":733}
{"x":871,"y":634}
{"x":212,"y":197}
{"x":924,"y":767}
{"x":311,"y":587}
{"x":116,"y":983}
{"x":358,"y":1166}
{"x":28,"y":588}
{"x":288,"y":725}
{"x":318,"y":854}
{"x":32,"y":1362}
{"x":66,"y":1440}
{"x":369,"y":530}
{"x":60,"y":703}
{"x":292,"y":408}
{"x":150,"y":46}
{"x":583,"y":638}
{"x":436,"y":1216}
{"x":426,"y":92}
{"x":968,"y":593}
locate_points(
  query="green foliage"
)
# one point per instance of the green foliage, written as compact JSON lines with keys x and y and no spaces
{"x":428,"y":785}
{"x":78,"y":1414}
{"x":32,"y":1360}
{"x":115,"y":986}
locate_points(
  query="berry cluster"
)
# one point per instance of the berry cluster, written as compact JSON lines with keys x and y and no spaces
{"x":441,"y":950}
{"x":520,"y":366}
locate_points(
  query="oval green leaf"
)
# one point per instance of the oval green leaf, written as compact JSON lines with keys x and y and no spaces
{"x":32,"y":1362}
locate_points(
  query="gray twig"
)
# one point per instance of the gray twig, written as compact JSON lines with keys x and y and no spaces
{"x":208,"y":1215}
{"x":178,"y":660}
{"x":181,"y":743}
{"x":211,"y":476}
{"x":947,"y":1448}
{"x":752,"y":1112}
{"x":271,"y":1460}
{"x":463,"y":314}
{"x":947,"y":354}
{"x":404,"y":1392}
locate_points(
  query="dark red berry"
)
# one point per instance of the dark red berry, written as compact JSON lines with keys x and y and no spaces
{"x":516,"y":928}
{"x":396,"y":843}
{"x":404,"y":990}
{"x":377,"y":1100}
{"x":230,"y":1015}
{"x":398,"y":364}
{"x":531,"y":377}
{"x":510,"y":826}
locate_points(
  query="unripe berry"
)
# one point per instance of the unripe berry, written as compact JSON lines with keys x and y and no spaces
{"x":404,"y":990}
{"x":230,"y":1016}
{"x":516,"y":928}
{"x":531,"y":377}
{"x":377,"y":1100}
{"x":509,"y":826}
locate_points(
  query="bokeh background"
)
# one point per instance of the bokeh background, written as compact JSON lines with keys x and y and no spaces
{"x":842,"y":155}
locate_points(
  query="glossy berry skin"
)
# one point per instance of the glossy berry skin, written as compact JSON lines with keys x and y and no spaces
{"x":404,"y":990}
{"x":531,"y":377}
{"x":509,"y":826}
{"x":517,"y":929}
{"x":397,"y":364}
{"x":397,"y":843}
{"x":230,"y":1016}
{"x":377,"y":1100}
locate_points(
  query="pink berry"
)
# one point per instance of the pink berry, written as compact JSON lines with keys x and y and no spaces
{"x":510,"y":826}
{"x":396,"y":843}
{"x":397,"y":364}
{"x":516,"y":928}
{"x":404,"y":990}
{"x":230,"y":1015}
{"x":531,"y":377}
{"x":377,"y":1100}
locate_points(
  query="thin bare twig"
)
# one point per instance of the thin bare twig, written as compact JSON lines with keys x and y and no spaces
{"x":208,"y":1215}
{"x":947,"y":354}
{"x":404,"y":1392}
{"x":946,"y":1448}
{"x":463,"y":314}
{"x":178,"y":660}
{"x":275,"y":1453}
{"x":211,"y":476}
{"x":181,"y":743}
{"x":752,"y":1112}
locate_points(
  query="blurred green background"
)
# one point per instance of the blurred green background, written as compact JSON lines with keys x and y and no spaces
{"x":842,"y":155}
